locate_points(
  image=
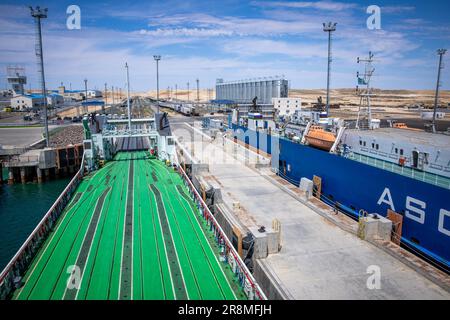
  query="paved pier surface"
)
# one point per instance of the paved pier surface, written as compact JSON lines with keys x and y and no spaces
{"x":20,"y":137}
{"x":318,"y":260}
{"x":134,"y":233}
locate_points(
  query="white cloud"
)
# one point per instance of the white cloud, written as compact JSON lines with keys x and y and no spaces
{"x":232,"y":25}
{"x":397,"y":9}
{"x":320,"y":5}
{"x":188,"y":32}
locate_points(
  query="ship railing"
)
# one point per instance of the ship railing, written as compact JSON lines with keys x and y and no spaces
{"x":423,"y":176}
{"x":228,"y":252}
{"x":11,"y":276}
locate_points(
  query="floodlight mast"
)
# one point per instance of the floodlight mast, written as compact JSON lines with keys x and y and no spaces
{"x":441,"y":53}
{"x":187,"y":91}
{"x":198,"y":90}
{"x":330,"y":28}
{"x":128,"y":97}
{"x":38,"y":14}
{"x":157,"y":58}
{"x":86,"y":110}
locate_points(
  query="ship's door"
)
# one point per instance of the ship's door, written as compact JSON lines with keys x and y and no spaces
{"x":415,"y":158}
{"x":421,"y":161}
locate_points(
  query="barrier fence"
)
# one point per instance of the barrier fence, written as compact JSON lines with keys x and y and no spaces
{"x":228,"y":252}
{"x":11,"y":276}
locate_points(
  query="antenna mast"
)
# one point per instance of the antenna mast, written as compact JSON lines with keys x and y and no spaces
{"x":441,"y":53}
{"x":365,"y":112}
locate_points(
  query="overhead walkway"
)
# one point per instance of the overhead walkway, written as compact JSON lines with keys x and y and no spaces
{"x":131,"y":231}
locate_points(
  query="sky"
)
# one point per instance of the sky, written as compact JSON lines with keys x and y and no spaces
{"x":228,"y":39}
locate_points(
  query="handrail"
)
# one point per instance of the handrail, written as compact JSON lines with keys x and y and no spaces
{"x":232,"y":250}
{"x":15,"y":266}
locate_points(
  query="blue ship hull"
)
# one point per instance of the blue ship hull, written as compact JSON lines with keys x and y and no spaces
{"x":354,"y":185}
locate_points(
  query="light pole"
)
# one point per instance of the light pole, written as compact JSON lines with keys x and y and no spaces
{"x":176,"y":92}
{"x":128,"y":97}
{"x":85,"y":96}
{"x":198,"y":90}
{"x":106,"y":98}
{"x":188,"y":91}
{"x":112,"y":93}
{"x":39,"y":14}
{"x":157,"y":58}
{"x":441,"y":53}
{"x":330,"y":28}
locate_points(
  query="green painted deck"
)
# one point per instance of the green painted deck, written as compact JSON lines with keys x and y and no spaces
{"x":133,"y":233}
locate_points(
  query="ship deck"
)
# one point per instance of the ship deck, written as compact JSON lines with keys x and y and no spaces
{"x":416,"y":137}
{"x":131,"y":231}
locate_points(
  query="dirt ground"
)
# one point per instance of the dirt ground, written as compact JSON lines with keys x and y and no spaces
{"x":385,"y":103}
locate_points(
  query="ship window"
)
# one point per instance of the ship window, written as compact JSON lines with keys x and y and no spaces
{"x":360,"y":142}
{"x":364,"y":143}
{"x":396,"y":150}
{"x":401,"y":152}
{"x":373,"y":145}
{"x":378,"y":146}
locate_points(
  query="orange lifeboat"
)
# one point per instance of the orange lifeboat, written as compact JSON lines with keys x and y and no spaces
{"x":319,"y":138}
{"x":401,"y":125}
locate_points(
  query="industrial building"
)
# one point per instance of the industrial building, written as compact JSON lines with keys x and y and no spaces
{"x":94,"y":94}
{"x":286,"y":106}
{"x":78,"y":95}
{"x":17,"y":79}
{"x":267,"y":111}
{"x":244,"y":91}
{"x":35,"y":101}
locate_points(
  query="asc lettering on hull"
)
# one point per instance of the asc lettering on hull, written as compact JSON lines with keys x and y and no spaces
{"x":416,"y":210}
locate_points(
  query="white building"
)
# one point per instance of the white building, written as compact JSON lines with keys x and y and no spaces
{"x":27,"y":102}
{"x":35,"y":101}
{"x":55,"y":100}
{"x":286,"y":106}
{"x":94,"y":94}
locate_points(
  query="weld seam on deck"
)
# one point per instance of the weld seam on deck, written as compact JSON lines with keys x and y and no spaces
{"x":157,"y":244}
{"x":177,"y":224}
{"x":74,"y":201}
{"x":175,"y":267}
{"x":51,"y":241}
{"x":87,"y":243}
{"x":126,"y":278}
{"x":199,"y":222}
